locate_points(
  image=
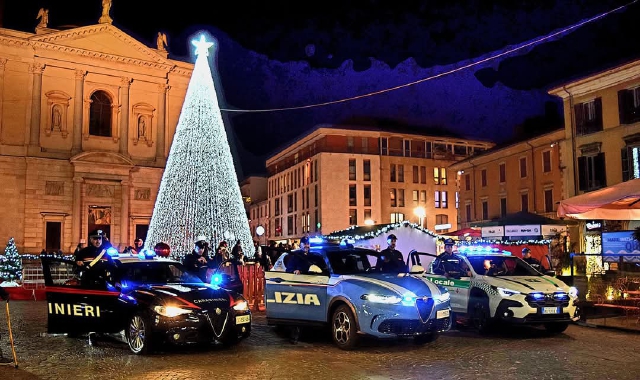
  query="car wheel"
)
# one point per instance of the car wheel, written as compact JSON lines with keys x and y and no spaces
{"x":480,"y":317}
{"x":426,"y":338}
{"x":556,"y":328}
{"x":139,"y":335}
{"x":343,"y":328}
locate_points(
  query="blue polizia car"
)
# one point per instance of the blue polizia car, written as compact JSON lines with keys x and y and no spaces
{"x":345,"y":290}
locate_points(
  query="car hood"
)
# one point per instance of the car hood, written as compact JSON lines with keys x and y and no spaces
{"x":190,"y":295}
{"x":399,"y":283}
{"x":528,"y":284}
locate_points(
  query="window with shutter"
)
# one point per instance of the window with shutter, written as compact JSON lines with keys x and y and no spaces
{"x":625,"y":164}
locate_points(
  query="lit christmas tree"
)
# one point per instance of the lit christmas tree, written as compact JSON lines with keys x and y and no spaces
{"x":11,"y":263}
{"x":199,"y":192}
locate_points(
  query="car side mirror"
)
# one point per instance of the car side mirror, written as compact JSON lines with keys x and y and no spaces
{"x":314,"y":269}
{"x":416,"y":269}
{"x":551,"y":273}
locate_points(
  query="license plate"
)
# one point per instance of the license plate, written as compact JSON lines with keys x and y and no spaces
{"x":442,"y":314}
{"x":550,"y":310}
{"x":243,"y":319}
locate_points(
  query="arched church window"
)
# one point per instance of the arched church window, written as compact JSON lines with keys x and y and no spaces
{"x":100,"y":114}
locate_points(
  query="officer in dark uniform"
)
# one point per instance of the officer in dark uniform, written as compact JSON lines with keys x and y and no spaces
{"x":196,"y":261}
{"x":390,"y":259}
{"x":526,"y":256}
{"x":447,"y":261}
{"x":95,"y":249}
{"x":299,"y":263}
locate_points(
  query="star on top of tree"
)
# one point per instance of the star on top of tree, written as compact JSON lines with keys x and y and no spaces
{"x":202,"y":46}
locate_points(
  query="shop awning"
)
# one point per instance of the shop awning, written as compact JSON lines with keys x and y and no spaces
{"x":617,"y":202}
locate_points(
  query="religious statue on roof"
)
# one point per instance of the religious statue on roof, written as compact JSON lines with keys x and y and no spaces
{"x":106,"y":7}
{"x":162,"y":41}
{"x":43,"y":15}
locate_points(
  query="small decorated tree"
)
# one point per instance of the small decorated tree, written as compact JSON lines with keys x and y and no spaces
{"x":11,"y":263}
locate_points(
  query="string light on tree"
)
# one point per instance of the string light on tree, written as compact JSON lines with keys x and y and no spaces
{"x":11,"y":263}
{"x":199,"y":192}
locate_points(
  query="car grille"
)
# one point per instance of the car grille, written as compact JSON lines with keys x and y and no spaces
{"x":412,"y":327}
{"x":424,"y":306}
{"x":558,"y":299}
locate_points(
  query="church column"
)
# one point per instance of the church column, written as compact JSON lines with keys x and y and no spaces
{"x":162,"y":106}
{"x":36,"y":103}
{"x":77,"y":211}
{"x":77,"y":112}
{"x":124,"y":214}
{"x":125,"y":83}
{"x":3,"y":63}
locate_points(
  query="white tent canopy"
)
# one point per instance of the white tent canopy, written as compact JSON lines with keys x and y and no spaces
{"x":617,"y":202}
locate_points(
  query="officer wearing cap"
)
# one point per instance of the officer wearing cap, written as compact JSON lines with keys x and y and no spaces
{"x":443,"y":261}
{"x":94,"y":252}
{"x":298,"y":262}
{"x":526,"y":256}
{"x":196,"y":261}
{"x":390,"y":259}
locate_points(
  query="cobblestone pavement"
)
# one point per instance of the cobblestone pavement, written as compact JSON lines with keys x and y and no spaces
{"x":580,"y":353}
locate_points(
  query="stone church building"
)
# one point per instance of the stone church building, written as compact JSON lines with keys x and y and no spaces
{"x":86,"y":121}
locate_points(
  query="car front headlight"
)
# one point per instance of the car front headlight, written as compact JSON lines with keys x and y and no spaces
{"x":171,"y":311}
{"x":241,"y":305}
{"x":507,"y":292}
{"x":573,"y":292}
{"x":443,"y":297}
{"x":376,"y":298}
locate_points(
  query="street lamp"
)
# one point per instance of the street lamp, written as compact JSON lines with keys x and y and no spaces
{"x":420,"y":212}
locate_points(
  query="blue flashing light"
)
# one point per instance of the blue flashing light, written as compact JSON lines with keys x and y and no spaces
{"x":113,"y":252}
{"x":537,"y":296}
{"x":146,"y":254}
{"x":346,"y":242}
{"x":316,"y":240}
{"x":216,"y":279}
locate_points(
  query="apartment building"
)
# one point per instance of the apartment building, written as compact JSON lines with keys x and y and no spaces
{"x":338,"y":176}
{"x":521,"y":176}
{"x":254,"y":196}
{"x":602,"y":139}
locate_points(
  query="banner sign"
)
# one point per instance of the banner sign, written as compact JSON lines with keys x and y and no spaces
{"x":496,"y":231}
{"x":523,"y":230}
{"x":550,"y":229}
{"x":619,"y":243}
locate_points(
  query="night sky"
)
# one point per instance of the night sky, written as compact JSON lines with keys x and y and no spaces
{"x":280,"y":54}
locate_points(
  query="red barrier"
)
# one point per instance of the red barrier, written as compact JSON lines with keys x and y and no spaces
{"x":252,"y":276}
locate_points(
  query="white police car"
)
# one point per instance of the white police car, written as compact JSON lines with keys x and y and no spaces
{"x":343,"y":289}
{"x":489,"y":286}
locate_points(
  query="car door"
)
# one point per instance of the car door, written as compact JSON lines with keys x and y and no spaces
{"x":300,"y":297}
{"x":75,"y":307}
{"x":458,"y":288}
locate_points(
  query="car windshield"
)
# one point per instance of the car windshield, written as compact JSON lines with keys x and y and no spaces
{"x":351,"y":261}
{"x":501,"y":266}
{"x":156,"y":272}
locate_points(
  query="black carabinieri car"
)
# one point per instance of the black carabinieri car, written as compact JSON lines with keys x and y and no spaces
{"x":153,"y":300}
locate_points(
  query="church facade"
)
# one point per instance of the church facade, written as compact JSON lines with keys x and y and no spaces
{"x":86,"y":121}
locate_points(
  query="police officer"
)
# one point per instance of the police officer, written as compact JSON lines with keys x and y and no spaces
{"x":196,"y":261}
{"x":299,"y":263}
{"x":94,"y":252}
{"x":440,"y":263}
{"x":526,"y":256}
{"x":390,"y":259}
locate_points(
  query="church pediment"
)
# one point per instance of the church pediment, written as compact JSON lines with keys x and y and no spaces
{"x":103,"y":158}
{"x":102,"y":39}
